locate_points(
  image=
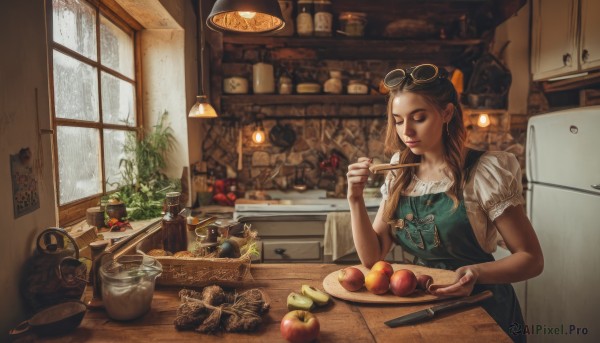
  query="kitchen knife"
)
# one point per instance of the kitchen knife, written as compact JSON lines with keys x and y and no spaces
{"x":430,"y":312}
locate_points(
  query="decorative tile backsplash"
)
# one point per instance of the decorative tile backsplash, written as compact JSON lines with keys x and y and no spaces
{"x":308,"y":160}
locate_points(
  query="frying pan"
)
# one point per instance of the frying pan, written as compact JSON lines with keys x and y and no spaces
{"x":54,"y":320}
{"x":282,"y":136}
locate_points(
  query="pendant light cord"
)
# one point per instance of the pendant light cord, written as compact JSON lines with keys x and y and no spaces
{"x":201,"y":32}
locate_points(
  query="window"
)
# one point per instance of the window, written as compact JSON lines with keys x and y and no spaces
{"x":94,"y":97}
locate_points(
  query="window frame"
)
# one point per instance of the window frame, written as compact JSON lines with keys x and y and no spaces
{"x":74,"y":211}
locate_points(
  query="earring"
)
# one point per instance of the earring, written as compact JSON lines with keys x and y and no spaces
{"x":447,"y":129}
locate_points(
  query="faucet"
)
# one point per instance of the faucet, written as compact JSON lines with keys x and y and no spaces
{"x":98,"y":254}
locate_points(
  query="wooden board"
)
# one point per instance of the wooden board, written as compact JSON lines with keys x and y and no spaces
{"x":440,"y":277}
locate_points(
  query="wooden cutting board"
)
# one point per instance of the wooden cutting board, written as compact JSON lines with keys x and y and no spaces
{"x":440,"y":277}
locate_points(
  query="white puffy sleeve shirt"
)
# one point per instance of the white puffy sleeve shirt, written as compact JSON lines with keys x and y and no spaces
{"x":494,"y":185}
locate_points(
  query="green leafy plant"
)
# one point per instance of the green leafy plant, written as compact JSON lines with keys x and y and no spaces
{"x":144,"y":185}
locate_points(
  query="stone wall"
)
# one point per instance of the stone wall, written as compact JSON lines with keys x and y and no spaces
{"x":308,"y":160}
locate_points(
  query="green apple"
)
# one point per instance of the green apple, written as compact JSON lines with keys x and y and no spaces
{"x":297,"y":301}
{"x":320,"y":298}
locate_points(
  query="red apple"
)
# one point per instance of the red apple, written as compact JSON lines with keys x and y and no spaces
{"x":384,"y":267}
{"x":403,"y":282}
{"x":300,"y":326}
{"x":424,"y":281}
{"x":351,"y":278}
{"x":377,"y":282}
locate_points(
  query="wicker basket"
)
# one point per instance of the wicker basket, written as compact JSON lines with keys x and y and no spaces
{"x":197,"y":271}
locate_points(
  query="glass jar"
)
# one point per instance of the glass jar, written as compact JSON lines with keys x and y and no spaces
{"x":353,"y":23}
{"x":174,"y":228}
{"x":285,"y":85}
{"x":128,"y":285}
{"x":323,"y":18}
{"x":304,"y":19}
{"x":334,"y":84}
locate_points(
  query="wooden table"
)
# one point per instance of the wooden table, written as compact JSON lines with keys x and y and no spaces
{"x":342,"y":322}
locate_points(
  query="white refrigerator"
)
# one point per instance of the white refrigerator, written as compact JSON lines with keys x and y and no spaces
{"x":563,"y":204}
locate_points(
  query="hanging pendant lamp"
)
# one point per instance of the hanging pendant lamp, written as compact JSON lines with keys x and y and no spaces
{"x":202,"y":108}
{"x":246,"y":16}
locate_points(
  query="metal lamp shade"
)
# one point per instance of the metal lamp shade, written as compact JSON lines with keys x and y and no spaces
{"x":202,"y":109}
{"x":226,"y":17}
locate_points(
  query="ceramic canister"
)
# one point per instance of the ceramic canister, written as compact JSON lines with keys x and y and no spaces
{"x":263,"y":78}
{"x":235,"y":85}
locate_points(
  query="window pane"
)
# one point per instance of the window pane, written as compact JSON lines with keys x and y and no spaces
{"x":114,"y":141}
{"x":74,"y":26}
{"x":118,"y":99}
{"x":78,"y":163}
{"x":116,"y":48}
{"x":75,"y":89}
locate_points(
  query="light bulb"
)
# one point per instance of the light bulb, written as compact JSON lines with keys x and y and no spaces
{"x":246,"y":14}
{"x":258,"y":136}
{"x":483,"y":120}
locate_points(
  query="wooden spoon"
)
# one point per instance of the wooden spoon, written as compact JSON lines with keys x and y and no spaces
{"x":377,"y":168}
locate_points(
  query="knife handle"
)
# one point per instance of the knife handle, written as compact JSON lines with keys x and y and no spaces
{"x":464,"y":301}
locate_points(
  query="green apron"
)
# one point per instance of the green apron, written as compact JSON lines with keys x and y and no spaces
{"x":442,"y":237}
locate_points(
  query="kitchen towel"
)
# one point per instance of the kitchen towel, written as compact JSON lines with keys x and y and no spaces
{"x":338,"y":240}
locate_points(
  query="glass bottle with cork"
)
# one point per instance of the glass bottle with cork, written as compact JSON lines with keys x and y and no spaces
{"x":174,"y":231}
{"x":304,"y":19}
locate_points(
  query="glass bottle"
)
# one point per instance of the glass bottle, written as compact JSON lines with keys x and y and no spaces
{"x":174,"y":230}
{"x":304,"y":19}
{"x":323,"y":18}
{"x":334,"y":84}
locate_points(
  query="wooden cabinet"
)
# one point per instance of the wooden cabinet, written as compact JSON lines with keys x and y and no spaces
{"x":566,"y":37}
{"x":301,"y":240}
{"x":590,"y":34}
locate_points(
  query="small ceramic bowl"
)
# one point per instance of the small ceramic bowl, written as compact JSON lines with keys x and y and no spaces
{"x":54,"y":320}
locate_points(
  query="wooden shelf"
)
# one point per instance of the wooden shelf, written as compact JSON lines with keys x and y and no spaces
{"x":280,"y":99}
{"x":590,"y":79}
{"x":316,"y":48}
{"x":397,"y":31}
{"x":338,"y":42}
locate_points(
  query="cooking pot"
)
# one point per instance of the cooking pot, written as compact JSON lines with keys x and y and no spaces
{"x":54,"y":320}
{"x":282,"y":136}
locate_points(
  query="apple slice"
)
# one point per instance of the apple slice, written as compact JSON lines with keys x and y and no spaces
{"x":297,"y":301}
{"x":320,"y":298}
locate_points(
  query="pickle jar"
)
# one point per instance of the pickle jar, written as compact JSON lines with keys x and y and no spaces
{"x":353,"y":23}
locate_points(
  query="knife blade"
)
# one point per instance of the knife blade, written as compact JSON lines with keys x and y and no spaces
{"x":430,"y":312}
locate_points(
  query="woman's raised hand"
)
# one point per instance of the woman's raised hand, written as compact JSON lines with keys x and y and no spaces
{"x":358,"y":173}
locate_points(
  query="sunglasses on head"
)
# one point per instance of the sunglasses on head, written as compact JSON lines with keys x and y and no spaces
{"x":420,"y":75}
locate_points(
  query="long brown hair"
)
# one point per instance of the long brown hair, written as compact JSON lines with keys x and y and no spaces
{"x":439,"y":93}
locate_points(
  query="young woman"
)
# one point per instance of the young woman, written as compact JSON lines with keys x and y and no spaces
{"x":448,"y":210}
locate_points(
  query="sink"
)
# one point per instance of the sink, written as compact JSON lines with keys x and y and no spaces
{"x":303,"y":205}
{"x":294,"y":195}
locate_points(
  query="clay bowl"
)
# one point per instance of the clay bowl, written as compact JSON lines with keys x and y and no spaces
{"x":54,"y":320}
